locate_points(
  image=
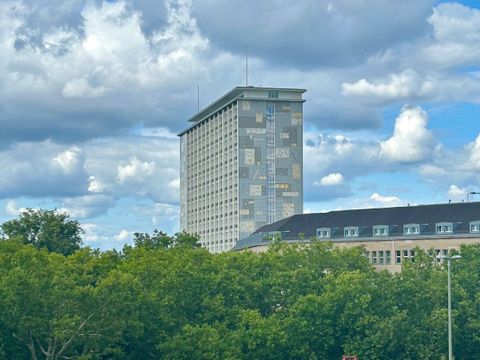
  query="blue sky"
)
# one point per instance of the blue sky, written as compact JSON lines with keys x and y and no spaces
{"x":92,"y":94}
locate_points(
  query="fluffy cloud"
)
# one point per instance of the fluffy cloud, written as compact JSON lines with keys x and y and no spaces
{"x":473,"y":149}
{"x":457,"y":193}
{"x":135,"y":171}
{"x":122,"y":236}
{"x":456,"y":30}
{"x":459,"y":166}
{"x":400,"y":86}
{"x":104,"y":72}
{"x":411,"y":140}
{"x":11,"y":208}
{"x":42,"y":169}
{"x":90,"y":176}
{"x":330,"y":180}
{"x":379,"y":200}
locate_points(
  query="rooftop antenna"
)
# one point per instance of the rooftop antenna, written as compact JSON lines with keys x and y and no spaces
{"x":198,"y":98}
{"x":246,"y":67}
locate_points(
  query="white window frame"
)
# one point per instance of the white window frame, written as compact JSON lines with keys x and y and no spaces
{"x":350,"y":231}
{"x":388,"y":257}
{"x":474,"y":227}
{"x":381,"y":257}
{"x":411,"y":229}
{"x":382,"y":230}
{"x":398,"y":256}
{"x":444,"y":228}
{"x":323,"y":233}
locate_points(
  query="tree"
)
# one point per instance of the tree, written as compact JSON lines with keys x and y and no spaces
{"x":49,"y":229}
{"x":158,"y":240}
{"x":161,"y":240}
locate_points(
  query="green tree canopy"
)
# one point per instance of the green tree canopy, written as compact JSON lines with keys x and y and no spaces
{"x":169,"y":299}
{"x":49,"y":229}
{"x":161,"y":240}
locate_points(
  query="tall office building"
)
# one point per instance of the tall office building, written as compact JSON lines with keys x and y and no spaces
{"x":241,"y":164}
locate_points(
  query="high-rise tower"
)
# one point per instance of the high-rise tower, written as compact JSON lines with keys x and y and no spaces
{"x":241,"y":164}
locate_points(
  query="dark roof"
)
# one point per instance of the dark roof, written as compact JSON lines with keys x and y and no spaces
{"x":460,"y":214}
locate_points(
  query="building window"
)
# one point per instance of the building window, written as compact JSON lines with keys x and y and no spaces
{"x":380,"y":230}
{"x":444,"y":228}
{"x":351,"y":231}
{"x":388,"y":257}
{"x":398,"y":257}
{"x":411,"y":229}
{"x":374,"y":257}
{"x":381,"y":257}
{"x":475,"y":226}
{"x":323,"y":232}
{"x":273,"y":94}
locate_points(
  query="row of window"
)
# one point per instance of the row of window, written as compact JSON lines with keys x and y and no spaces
{"x":408,"y":229}
{"x":222,"y":136}
{"x":215,"y":242}
{"x":383,"y":257}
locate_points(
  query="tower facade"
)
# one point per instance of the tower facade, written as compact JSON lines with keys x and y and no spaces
{"x":241,"y":164}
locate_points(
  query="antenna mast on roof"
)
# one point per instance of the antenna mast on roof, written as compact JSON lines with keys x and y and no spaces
{"x":246,"y":67}
{"x":198,"y":98}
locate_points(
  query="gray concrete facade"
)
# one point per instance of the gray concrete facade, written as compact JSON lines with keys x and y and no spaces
{"x":242,"y":165}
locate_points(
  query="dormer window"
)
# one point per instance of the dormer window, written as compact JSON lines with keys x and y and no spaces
{"x":323,"y":233}
{"x":411,"y":229}
{"x":350,"y":231}
{"x":273,"y":94}
{"x":380,"y":230}
{"x":475,"y":226}
{"x":444,"y":228}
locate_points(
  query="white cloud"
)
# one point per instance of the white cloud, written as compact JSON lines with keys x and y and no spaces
{"x":457,"y":193}
{"x":135,"y":171}
{"x":332,"y":179}
{"x":163,"y":213}
{"x":122,"y":236}
{"x":38,"y":169}
{"x":473,"y":162}
{"x":174,"y":184}
{"x":11,"y":208}
{"x":411,"y":140}
{"x":386,"y":200}
{"x":400,"y":86}
{"x":68,"y":160}
{"x":456,"y":30}
{"x":157,"y":132}
{"x":106,"y":67}
{"x":94,"y":185}
{"x":432,"y":170}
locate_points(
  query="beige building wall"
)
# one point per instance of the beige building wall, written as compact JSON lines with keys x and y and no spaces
{"x":210,"y":196}
{"x":398,"y":250}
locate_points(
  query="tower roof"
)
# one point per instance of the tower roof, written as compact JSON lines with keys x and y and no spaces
{"x":243,"y":92}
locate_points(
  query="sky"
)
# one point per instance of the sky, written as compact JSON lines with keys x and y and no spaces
{"x":93,"y":93}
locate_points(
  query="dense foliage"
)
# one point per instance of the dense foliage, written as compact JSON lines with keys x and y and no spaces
{"x":165,"y":298}
{"x":49,"y":229}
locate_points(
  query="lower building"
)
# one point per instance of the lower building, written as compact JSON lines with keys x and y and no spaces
{"x":388,"y":235}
